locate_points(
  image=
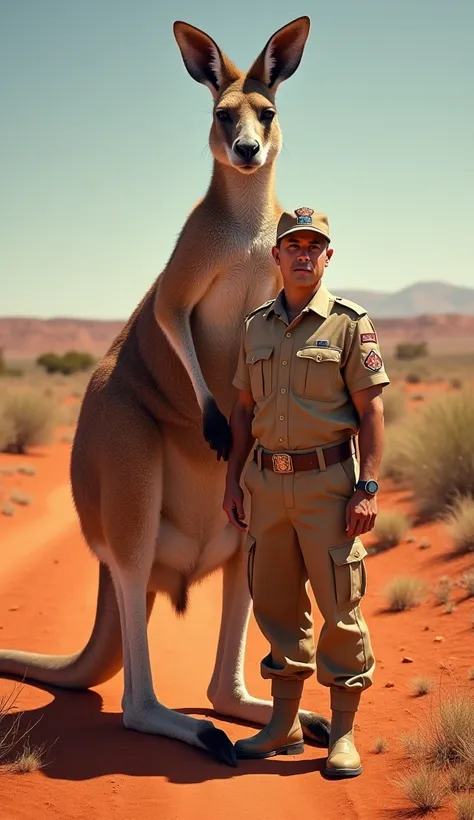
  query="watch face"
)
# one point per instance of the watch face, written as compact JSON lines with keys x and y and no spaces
{"x":372,"y":486}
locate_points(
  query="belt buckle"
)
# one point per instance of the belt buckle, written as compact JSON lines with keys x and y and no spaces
{"x":282,"y":463}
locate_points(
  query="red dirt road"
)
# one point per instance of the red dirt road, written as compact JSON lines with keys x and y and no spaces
{"x":98,"y":770}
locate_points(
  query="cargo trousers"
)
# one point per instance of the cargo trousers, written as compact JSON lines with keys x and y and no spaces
{"x":297,"y":536}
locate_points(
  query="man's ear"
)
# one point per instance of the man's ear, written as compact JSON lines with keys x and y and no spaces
{"x":276,"y":254}
{"x":329,"y":253}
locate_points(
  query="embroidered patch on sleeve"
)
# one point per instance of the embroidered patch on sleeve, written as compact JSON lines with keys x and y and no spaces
{"x":373,"y":361}
{"x":368,"y":337}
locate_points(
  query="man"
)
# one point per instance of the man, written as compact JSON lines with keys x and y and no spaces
{"x":310,"y":376}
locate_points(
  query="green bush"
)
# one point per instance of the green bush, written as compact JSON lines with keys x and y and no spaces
{"x":411,"y":350}
{"x":29,"y":419}
{"x":71,"y":362}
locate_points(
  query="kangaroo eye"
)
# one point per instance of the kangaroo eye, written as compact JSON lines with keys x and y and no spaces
{"x":222,"y":115}
{"x":267,"y":115}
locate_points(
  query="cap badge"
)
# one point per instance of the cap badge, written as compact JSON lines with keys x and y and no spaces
{"x":303,"y":216}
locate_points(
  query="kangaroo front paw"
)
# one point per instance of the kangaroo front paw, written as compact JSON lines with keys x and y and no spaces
{"x":216,"y":430}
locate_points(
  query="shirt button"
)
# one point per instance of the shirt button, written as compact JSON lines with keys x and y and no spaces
{"x":288,"y":335}
{"x":283,"y":390}
{"x":281,"y":439}
{"x":284,"y":362}
{"x":282,"y":418}
{"x":356,"y":554}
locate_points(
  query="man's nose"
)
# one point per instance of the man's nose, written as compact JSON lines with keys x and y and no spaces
{"x":246,"y":148}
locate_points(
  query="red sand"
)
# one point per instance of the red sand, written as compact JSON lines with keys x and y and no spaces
{"x":96,"y":769}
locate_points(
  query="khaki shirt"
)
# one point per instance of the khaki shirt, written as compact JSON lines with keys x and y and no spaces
{"x":301,"y":374}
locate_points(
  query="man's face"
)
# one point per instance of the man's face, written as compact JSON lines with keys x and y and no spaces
{"x":302,"y":257}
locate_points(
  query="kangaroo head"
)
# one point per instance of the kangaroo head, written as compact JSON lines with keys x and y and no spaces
{"x":245,"y":133}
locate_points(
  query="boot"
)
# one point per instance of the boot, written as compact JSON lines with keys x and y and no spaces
{"x":343,"y":758}
{"x":282,"y":735}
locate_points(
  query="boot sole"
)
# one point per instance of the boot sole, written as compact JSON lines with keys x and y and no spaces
{"x":291,"y":749}
{"x":336,"y":773}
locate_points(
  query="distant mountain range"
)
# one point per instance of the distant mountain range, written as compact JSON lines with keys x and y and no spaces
{"x":441,"y":314}
{"x":422,"y":298}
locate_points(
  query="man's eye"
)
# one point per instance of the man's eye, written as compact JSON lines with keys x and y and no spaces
{"x":222,"y":115}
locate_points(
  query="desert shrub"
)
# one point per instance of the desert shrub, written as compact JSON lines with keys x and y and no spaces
{"x":452,"y":734}
{"x":467,"y":582}
{"x":456,"y":383}
{"x":413,"y":378}
{"x":404,"y":592}
{"x":389,"y":529}
{"x":411,"y":350}
{"x":71,"y":362}
{"x":396,"y":455}
{"x":393,"y":404}
{"x":443,"y":590}
{"x":424,"y":788}
{"x":460,"y":523}
{"x":439,"y":452}
{"x":443,"y":747}
{"x":31,"y":417}
{"x":464,"y":806}
{"x":421,"y":686}
{"x":7,"y":432}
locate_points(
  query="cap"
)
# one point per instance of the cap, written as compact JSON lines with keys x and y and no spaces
{"x":305,"y":220}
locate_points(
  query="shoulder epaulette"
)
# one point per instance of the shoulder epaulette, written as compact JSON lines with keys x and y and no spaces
{"x":357,"y":309}
{"x":258,"y":309}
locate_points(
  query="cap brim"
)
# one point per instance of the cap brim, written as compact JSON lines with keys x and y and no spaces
{"x":303,"y":228}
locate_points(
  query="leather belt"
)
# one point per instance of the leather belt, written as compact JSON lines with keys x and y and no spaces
{"x":282,"y":462}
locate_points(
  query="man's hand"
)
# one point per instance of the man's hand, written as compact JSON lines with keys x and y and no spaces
{"x":233,"y":505}
{"x":361,"y":513}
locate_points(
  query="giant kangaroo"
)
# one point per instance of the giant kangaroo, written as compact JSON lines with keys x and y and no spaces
{"x":148,"y":459}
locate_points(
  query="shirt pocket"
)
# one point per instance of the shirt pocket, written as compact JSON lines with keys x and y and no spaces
{"x":317,"y":373}
{"x":260,"y":363}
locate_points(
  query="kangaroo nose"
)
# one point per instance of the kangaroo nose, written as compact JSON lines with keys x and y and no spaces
{"x":246,"y":150}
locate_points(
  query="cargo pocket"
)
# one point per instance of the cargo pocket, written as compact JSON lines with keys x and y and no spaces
{"x":259,"y":362}
{"x":350,"y":576}
{"x":317,"y":372}
{"x":250,"y":561}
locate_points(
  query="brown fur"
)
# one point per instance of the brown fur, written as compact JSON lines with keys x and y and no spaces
{"x":147,"y":487}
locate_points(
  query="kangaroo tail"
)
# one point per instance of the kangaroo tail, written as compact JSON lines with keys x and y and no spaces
{"x":98,"y":661}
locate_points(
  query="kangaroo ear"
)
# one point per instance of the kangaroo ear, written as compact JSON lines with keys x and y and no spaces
{"x":282,"y":54}
{"x":203,"y":58}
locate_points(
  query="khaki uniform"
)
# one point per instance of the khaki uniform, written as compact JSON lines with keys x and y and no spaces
{"x":301,"y":375}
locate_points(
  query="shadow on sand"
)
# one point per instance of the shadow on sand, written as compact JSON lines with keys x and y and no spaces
{"x":82,"y":742}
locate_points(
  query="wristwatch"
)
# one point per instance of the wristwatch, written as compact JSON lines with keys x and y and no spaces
{"x":370,"y":487}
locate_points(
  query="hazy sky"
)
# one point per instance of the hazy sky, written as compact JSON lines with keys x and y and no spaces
{"x":103,"y":141}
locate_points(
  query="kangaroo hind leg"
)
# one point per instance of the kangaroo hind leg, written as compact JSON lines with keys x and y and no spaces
{"x":131,"y":493}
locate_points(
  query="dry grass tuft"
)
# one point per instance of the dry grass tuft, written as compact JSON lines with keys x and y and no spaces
{"x":424,"y":788}
{"x":443,"y":589}
{"x":459,"y":520}
{"x":394,"y":404}
{"x":441,"y":465}
{"x":31,"y":418}
{"x":461,"y":778}
{"x":467,"y":581}
{"x":464,"y":806}
{"x":396,"y":456}
{"x":421,"y":686}
{"x":404,"y":592}
{"x":390,"y":528}
{"x":16,"y":753}
{"x":381,"y":745}
{"x":470,"y":673}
